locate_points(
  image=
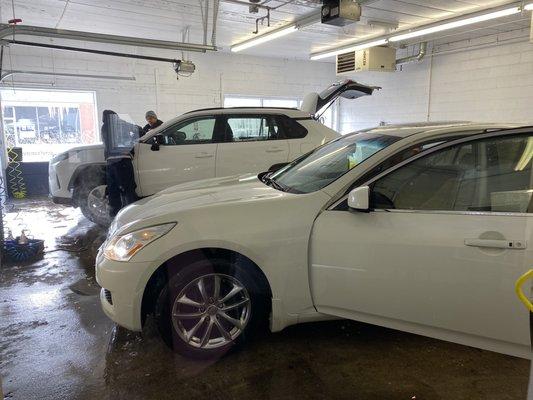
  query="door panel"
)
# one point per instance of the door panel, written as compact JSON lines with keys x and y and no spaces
{"x":254,"y":157}
{"x":253,"y":143}
{"x":417,"y":268}
{"x":186,"y":153}
{"x":450,"y":233}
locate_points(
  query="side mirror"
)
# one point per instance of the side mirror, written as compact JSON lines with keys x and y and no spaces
{"x":155,"y":143}
{"x":359,"y":199}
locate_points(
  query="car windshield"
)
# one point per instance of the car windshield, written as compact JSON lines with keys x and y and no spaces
{"x":327,"y":163}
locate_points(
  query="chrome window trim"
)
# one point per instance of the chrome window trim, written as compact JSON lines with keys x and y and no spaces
{"x":471,"y":213}
{"x":434,"y":149}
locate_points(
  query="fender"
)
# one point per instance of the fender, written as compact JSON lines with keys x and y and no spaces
{"x":81,"y":169}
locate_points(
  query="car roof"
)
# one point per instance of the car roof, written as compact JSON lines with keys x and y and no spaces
{"x":291,"y":112}
{"x":439,"y":128}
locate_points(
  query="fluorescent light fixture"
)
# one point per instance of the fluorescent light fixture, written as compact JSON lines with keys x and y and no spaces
{"x":458,"y":23}
{"x":529,"y":7}
{"x":277,"y":33}
{"x":356,"y":47}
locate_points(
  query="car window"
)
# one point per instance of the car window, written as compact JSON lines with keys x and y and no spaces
{"x":491,"y":175}
{"x":327,"y":163}
{"x":252,"y":128}
{"x":196,"y":131}
{"x":292,"y":129}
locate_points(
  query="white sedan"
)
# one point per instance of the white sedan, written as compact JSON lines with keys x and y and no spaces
{"x":422,"y":228}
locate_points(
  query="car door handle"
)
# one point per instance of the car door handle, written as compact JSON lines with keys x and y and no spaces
{"x":203,"y":155}
{"x":274,"y":150}
{"x":497,"y":244}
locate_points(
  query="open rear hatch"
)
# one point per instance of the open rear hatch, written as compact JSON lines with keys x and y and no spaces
{"x":317,"y":103}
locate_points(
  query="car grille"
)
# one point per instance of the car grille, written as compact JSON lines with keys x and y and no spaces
{"x":108,"y":296}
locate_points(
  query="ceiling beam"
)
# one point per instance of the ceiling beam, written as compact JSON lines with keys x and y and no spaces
{"x":8,"y":30}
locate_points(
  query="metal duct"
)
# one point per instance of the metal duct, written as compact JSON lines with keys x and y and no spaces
{"x":8,"y":30}
{"x":417,"y":57}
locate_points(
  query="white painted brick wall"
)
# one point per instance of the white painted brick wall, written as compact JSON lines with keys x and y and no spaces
{"x":216,"y":75}
{"x":486,"y":84}
{"x":490,"y":84}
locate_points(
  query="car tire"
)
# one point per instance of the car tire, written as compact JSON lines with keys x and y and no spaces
{"x":204,"y":325}
{"x":85,"y":192}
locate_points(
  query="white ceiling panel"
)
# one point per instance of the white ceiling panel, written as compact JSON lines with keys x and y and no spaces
{"x":165,"y":19}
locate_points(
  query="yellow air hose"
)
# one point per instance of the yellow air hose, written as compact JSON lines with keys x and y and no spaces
{"x":520,"y":293}
{"x":14,"y":176}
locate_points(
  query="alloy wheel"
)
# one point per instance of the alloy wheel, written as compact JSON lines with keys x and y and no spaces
{"x":98,"y":203}
{"x":211,"y":311}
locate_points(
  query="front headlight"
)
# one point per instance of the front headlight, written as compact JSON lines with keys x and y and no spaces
{"x":124,"y":247}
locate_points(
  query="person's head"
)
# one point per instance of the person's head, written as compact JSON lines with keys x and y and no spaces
{"x":151,"y":117}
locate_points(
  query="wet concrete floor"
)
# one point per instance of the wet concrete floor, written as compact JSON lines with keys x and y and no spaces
{"x":56,"y":343}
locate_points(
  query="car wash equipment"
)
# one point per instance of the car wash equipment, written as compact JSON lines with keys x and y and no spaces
{"x":22,"y":249}
{"x":17,"y":186}
{"x":524,"y":299}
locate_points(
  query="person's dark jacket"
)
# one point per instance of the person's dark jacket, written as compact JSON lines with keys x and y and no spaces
{"x":149,"y":127}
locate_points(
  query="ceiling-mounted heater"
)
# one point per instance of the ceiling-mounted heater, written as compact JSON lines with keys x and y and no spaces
{"x":380,"y":58}
{"x":340,"y":12}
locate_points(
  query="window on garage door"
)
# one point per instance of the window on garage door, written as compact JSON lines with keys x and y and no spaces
{"x":243,"y":128}
{"x":47,"y":122}
{"x":490,"y":175}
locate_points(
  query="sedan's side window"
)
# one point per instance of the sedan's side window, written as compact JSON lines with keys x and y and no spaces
{"x":252,"y":128}
{"x":195,"y":131}
{"x":489,"y":175}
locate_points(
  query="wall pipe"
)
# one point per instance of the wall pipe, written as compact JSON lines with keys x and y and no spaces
{"x":8,"y":30}
{"x":417,"y":57}
{"x":92,"y":51}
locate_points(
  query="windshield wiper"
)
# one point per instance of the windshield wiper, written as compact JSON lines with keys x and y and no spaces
{"x":276,"y":185}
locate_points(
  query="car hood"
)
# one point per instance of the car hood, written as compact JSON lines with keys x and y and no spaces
{"x":200,"y":194}
{"x":87,"y":147}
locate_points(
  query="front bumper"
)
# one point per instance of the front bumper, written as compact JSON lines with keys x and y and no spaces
{"x":126,"y":282}
{"x":58,"y":180}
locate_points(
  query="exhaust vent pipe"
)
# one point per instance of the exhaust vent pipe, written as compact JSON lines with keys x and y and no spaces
{"x":417,"y":57}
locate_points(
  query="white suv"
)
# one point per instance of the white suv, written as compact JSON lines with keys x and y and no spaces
{"x":198,"y":145}
{"x":419,"y":228}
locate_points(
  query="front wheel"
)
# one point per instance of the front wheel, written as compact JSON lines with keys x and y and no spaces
{"x":208,"y":308}
{"x":93,"y":203}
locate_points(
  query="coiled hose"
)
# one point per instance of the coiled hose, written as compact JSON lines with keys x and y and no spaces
{"x":14,"y":175}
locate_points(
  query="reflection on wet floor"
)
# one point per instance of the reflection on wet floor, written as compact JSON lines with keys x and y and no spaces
{"x":56,"y":343}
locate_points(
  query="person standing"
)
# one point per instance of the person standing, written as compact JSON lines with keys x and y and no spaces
{"x":118,"y":137}
{"x":153,"y":122}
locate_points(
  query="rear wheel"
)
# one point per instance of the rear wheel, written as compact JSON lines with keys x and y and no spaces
{"x":208,"y":308}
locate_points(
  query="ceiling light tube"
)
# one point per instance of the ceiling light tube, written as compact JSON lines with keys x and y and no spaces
{"x":528,"y":7}
{"x":356,"y":47}
{"x":277,"y":33}
{"x":457,"y":23}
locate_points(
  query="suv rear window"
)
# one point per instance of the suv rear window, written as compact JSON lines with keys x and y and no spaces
{"x":292,"y":129}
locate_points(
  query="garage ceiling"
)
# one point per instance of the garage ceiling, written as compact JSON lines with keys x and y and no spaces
{"x":165,"y":19}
